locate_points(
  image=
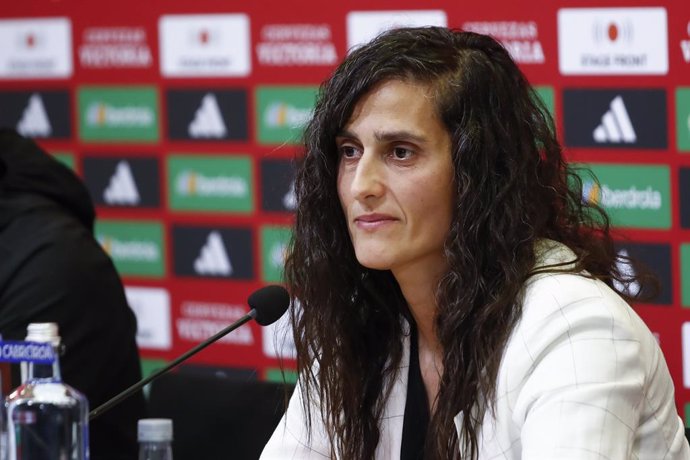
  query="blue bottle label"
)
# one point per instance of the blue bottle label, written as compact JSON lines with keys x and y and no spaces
{"x":15,"y":351}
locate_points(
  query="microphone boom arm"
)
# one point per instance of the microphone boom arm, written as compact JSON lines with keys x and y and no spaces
{"x":137,"y":386}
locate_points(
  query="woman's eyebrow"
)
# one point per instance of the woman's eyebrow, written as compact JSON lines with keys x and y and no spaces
{"x":388,"y":136}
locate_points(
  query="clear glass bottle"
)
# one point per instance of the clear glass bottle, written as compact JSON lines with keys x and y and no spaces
{"x":155,"y":439}
{"x":47,"y":419}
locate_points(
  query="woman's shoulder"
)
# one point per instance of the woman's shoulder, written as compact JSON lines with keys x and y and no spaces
{"x":557,"y":290}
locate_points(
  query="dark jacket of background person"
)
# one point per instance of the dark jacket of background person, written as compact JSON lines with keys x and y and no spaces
{"x":52,"y":269}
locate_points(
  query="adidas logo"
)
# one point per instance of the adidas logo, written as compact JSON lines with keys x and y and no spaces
{"x":213,"y":259}
{"x":626,"y":269}
{"x":290,"y":199}
{"x":615,"y":126}
{"x":34,"y":120}
{"x":208,"y":121}
{"x":122,"y":190}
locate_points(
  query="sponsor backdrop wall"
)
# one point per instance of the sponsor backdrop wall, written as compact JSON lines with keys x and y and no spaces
{"x":183,"y":117}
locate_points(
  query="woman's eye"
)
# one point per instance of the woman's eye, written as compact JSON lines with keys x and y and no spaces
{"x":348,"y":151}
{"x":401,"y":153}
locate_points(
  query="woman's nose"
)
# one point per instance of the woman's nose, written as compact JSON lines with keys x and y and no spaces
{"x":368,"y":178}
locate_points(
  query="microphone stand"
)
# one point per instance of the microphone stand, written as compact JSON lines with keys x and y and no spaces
{"x":137,"y":386}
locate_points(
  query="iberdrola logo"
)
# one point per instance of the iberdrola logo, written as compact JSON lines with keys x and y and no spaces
{"x":129,"y":250}
{"x":282,"y":115}
{"x":107,"y":245}
{"x":625,"y":198}
{"x":591,"y":192}
{"x":102,"y":114}
{"x":191,"y":183}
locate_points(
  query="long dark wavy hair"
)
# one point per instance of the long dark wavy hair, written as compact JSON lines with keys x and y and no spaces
{"x":513,"y":188}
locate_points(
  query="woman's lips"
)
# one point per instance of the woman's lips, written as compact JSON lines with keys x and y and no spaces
{"x":373,"y":221}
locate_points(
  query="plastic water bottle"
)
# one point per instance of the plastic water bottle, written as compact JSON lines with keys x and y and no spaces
{"x":155,"y":437}
{"x":47,"y":419}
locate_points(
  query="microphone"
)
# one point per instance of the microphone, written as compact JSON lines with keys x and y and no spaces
{"x":267,"y":305}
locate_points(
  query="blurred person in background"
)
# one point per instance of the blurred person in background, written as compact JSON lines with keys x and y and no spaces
{"x":459,"y":302}
{"x":52,"y":269}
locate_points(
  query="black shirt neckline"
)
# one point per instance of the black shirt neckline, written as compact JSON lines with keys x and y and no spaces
{"x":416,"y":419}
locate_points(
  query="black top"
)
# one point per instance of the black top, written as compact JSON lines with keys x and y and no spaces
{"x":416,"y":421}
{"x":54,"y":270}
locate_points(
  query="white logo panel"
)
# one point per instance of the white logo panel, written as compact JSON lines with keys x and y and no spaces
{"x":612,"y":41}
{"x":151,"y":306}
{"x":211,"y":45}
{"x":277,"y":339}
{"x":362,"y":26}
{"x":36,"y":48}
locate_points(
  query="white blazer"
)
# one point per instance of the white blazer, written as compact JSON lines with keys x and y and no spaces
{"x":582,"y":377}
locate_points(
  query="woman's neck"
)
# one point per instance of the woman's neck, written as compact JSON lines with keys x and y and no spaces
{"x":420,"y":294}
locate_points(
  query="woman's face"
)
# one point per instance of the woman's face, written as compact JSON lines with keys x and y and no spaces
{"x":395,"y":179}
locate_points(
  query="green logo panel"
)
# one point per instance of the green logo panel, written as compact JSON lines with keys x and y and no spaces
{"x":274,"y":242}
{"x":282,"y":112}
{"x":66,"y":159}
{"x":136,"y":247}
{"x":280,"y":375}
{"x":118,"y":114}
{"x":547,"y":96}
{"x":635,"y":196}
{"x":683,"y":119}
{"x":685,"y":274}
{"x":210,"y":183}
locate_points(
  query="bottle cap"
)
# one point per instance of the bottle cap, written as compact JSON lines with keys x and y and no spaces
{"x":43,"y":332}
{"x":155,"y":430}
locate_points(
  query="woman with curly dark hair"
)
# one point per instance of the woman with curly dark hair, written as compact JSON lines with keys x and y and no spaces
{"x":455,"y":291}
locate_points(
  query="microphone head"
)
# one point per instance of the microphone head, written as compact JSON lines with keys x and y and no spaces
{"x":269,"y":302}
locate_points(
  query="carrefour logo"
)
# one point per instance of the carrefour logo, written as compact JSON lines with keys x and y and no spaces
{"x":190,"y":183}
{"x":210,"y":183}
{"x":282,"y":112}
{"x":633,"y":195}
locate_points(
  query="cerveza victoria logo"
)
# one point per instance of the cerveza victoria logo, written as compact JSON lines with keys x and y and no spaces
{"x":207,"y":115}
{"x":213,"y":252}
{"x":635,"y":196}
{"x":118,"y":114}
{"x":610,"y":118}
{"x":38,"y":114}
{"x":136,"y":247}
{"x":210,"y":183}
{"x":123,"y":182}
